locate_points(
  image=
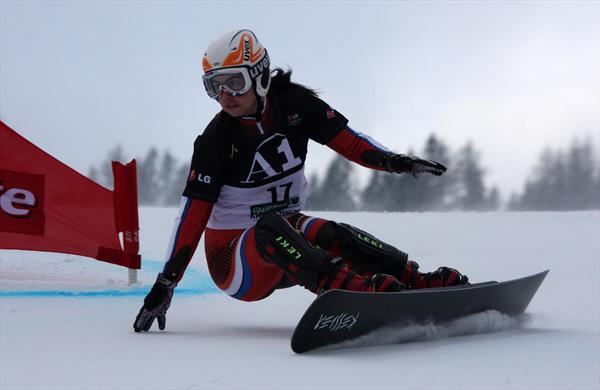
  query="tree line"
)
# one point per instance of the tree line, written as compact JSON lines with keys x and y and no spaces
{"x":160,"y":176}
{"x":566,"y":179}
{"x":563,"y":180}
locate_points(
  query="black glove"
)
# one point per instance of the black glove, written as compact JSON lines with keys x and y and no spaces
{"x":156,"y":304}
{"x":400,"y":163}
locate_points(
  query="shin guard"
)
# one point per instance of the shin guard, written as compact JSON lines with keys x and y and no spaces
{"x":369,"y":254}
{"x":278,"y":242}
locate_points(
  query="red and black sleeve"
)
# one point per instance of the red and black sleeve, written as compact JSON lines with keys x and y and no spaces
{"x":188,"y":229}
{"x":360,"y":148}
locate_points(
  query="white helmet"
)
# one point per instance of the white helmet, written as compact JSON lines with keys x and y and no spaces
{"x":234,"y":62}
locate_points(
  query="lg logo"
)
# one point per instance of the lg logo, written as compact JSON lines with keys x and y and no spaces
{"x":16,"y":196}
{"x":204,"y":178}
{"x":199,"y":177}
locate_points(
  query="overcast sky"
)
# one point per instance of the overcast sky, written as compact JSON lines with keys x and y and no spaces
{"x":78,"y":77}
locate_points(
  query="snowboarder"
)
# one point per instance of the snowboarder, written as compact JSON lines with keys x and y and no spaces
{"x":246,"y":189}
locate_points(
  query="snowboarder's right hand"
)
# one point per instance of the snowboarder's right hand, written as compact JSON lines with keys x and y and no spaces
{"x":401,"y":163}
{"x":156,"y":304}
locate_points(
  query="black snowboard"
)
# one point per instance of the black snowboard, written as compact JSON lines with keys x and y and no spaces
{"x":337,"y":315}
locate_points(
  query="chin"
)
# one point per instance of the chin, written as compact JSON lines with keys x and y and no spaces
{"x":234,"y":113}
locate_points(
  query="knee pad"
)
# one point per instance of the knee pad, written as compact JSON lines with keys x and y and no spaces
{"x":327,"y":235}
{"x":366,"y":251}
{"x":278,"y":242}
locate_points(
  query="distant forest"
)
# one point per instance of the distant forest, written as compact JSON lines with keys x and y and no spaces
{"x":567,"y":179}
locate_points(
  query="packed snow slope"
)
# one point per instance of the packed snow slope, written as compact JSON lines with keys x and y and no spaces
{"x":66,"y":321}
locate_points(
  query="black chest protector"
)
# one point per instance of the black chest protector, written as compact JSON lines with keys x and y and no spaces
{"x":249,"y":168}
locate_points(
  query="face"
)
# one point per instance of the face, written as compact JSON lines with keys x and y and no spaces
{"x":237,"y":106}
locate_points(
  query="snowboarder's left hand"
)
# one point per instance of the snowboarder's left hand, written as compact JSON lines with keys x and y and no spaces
{"x":155,"y":306}
{"x":401,"y":163}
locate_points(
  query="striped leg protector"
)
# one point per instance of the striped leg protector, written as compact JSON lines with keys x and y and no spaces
{"x":278,"y":242}
{"x":311,"y":267}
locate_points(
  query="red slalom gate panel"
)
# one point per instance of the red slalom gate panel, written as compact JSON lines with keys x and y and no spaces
{"x":47,"y":206}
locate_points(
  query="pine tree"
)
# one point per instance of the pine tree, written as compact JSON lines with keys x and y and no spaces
{"x":407,"y":193}
{"x":177,"y":184}
{"x":596,"y":188}
{"x":403,"y":192}
{"x":105,"y":174}
{"x":93,"y":174}
{"x":376,"y":196}
{"x":165,"y":178}
{"x":426,"y":192}
{"x":470,"y":185}
{"x":540,"y":191}
{"x":580,"y":167}
{"x":148,"y":190}
{"x":337,"y":188}
{"x":563,"y":181}
{"x":437,"y":190}
{"x":314,"y":199}
{"x":493,"y":200}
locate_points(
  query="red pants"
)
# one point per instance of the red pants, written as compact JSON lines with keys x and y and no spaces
{"x":238,"y":269}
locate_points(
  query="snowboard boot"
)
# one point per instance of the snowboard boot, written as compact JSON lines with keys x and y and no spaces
{"x":385,"y":283}
{"x":340,"y":276}
{"x":311,"y":267}
{"x":442,"y":277}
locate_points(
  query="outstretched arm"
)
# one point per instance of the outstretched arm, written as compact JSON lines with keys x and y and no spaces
{"x":188,"y":229}
{"x":189,"y":226}
{"x":367,"y":152}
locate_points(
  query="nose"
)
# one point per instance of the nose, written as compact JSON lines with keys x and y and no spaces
{"x":224,"y":93}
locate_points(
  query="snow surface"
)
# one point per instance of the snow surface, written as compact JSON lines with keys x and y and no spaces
{"x":66,"y":321}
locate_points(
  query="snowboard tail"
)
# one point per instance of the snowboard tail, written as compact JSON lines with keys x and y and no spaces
{"x":338,"y":315}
